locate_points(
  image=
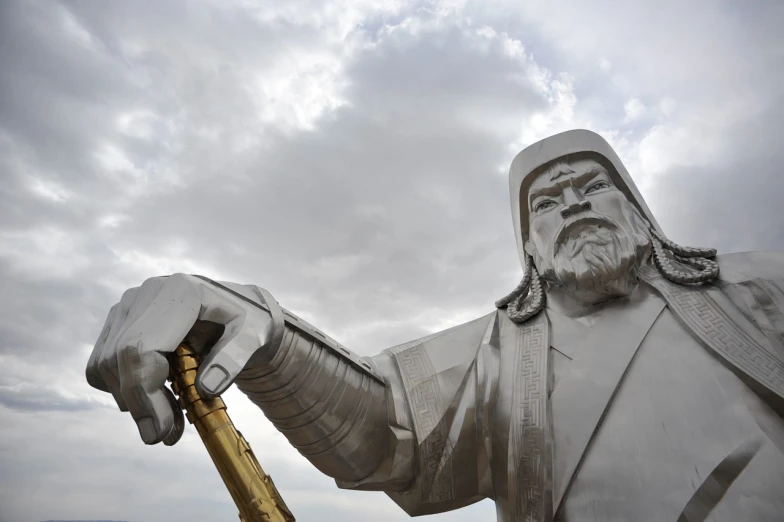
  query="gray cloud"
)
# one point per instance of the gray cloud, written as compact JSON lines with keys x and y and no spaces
{"x":35,"y":399}
{"x":350,"y":159}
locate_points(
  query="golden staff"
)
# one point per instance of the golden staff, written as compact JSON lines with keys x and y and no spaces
{"x":252,"y":490}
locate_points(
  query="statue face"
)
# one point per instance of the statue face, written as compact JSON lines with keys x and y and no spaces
{"x":584,"y":234}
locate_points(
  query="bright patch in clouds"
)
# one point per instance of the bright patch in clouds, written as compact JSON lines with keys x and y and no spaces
{"x":74,"y":29}
{"x":558,"y":117}
{"x":144,"y":265}
{"x":633,"y":108}
{"x":669,"y":146}
{"x":112,"y":220}
{"x":137,"y":124}
{"x":48,"y":190}
{"x":114,"y":159}
{"x":45,"y":252}
{"x":298,"y":90}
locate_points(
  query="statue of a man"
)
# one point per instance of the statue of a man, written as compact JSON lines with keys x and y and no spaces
{"x":625,"y":378}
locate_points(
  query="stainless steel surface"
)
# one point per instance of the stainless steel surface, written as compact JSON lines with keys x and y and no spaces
{"x":333,"y":412}
{"x":592,"y":377}
{"x":625,"y":395}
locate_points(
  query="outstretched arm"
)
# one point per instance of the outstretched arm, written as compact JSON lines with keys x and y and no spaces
{"x":329,"y":403}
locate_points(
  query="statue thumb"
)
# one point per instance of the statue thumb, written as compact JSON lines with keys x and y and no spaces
{"x":238,"y":345}
{"x":226,"y":359}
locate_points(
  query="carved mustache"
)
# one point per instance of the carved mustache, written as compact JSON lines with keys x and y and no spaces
{"x":581,"y":220}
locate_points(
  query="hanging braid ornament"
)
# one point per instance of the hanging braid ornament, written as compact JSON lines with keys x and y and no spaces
{"x":527,"y":299}
{"x":701,"y":268}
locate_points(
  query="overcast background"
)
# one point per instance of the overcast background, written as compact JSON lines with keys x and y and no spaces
{"x":352,"y":158}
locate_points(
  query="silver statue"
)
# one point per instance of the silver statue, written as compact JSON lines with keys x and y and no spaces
{"x":626,"y":378}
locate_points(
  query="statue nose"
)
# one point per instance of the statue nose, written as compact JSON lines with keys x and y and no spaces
{"x":573,"y":203}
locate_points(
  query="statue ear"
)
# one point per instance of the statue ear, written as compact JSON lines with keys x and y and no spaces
{"x":530,"y":249}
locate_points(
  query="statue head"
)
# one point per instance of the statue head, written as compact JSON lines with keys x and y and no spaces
{"x":581,"y":223}
{"x":584,"y":235}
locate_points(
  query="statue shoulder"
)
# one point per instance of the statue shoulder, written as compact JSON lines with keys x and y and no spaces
{"x":455,"y":346}
{"x":744,"y":266}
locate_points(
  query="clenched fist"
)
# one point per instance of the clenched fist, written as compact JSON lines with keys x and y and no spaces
{"x":226,"y":323}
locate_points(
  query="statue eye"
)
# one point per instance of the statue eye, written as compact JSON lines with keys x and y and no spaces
{"x":547,"y":203}
{"x":599,"y":185}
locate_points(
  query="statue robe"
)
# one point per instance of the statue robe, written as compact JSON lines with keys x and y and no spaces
{"x":642,"y":420}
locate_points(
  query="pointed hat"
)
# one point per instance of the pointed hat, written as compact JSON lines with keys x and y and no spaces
{"x":569,"y":145}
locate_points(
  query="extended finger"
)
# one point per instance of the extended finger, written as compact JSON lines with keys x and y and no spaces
{"x":142,"y":382}
{"x":101,"y":371}
{"x":107,"y":363}
{"x":242,"y":339}
{"x":226,"y":359}
{"x":102,"y":366}
{"x":221,"y":364}
{"x":112,"y":380}
{"x":94,"y":377}
{"x":119,"y":320}
{"x":168,"y":314}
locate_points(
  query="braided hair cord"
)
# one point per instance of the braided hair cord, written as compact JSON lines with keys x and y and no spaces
{"x":701,"y":269}
{"x":679,"y":264}
{"x":681,"y":250}
{"x":527,"y":299}
{"x":520,"y":288}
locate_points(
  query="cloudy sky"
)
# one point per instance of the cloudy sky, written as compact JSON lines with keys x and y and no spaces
{"x":352,"y":158}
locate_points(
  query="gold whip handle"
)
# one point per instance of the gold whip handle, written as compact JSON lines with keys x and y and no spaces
{"x":252,"y":490}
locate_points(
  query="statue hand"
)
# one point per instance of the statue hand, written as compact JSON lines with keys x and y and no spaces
{"x":129,"y":359}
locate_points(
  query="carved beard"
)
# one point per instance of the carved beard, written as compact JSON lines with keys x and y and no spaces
{"x":600,"y":262}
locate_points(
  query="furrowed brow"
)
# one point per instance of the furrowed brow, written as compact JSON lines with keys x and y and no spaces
{"x":589,"y":174}
{"x":552,"y":190}
{"x":577,"y":181}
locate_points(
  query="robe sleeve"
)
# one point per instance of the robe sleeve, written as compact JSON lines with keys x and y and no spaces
{"x":754,"y":281}
{"x":441,"y":393}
